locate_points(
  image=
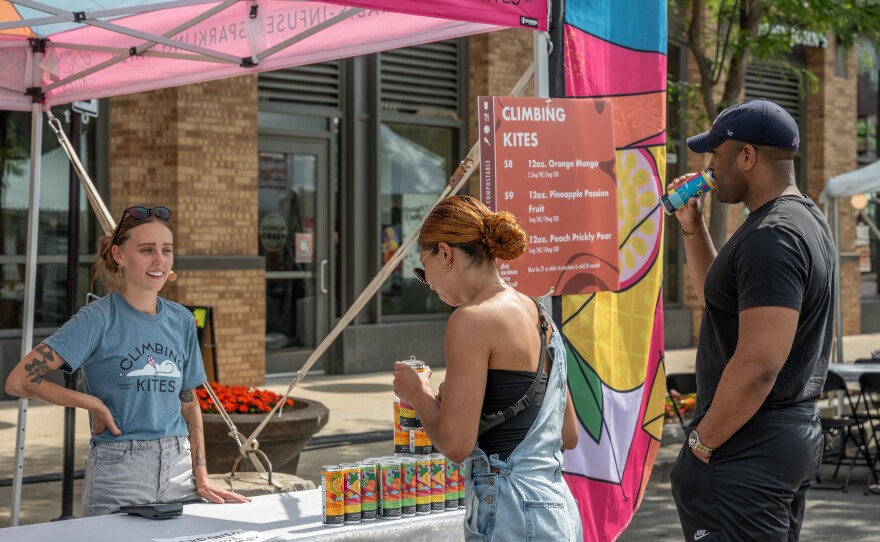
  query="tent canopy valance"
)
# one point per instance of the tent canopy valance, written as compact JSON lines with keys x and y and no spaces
{"x":859,"y":181}
{"x":99,"y":49}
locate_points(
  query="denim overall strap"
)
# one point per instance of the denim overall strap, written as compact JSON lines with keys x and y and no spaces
{"x":525,"y":496}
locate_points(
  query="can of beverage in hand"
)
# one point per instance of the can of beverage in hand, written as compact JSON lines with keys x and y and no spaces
{"x":406,"y":412}
{"x":451,"y":485}
{"x":389,"y":474}
{"x":333,"y":488}
{"x":352,"y":489}
{"x":438,"y":483}
{"x":369,"y":489}
{"x":423,"y":485}
{"x":408,"y":487}
{"x":692,"y":187}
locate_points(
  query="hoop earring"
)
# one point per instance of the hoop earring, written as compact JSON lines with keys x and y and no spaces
{"x":447,"y":267}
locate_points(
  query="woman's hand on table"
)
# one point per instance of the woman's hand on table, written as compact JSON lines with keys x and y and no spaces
{"x":215,"y":494}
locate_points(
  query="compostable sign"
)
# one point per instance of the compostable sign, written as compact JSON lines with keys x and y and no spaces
{"x":551,"y":163}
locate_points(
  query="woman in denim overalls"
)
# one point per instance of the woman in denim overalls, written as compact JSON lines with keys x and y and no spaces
{"x":521,"y":493}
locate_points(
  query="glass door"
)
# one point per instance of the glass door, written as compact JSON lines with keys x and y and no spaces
{"x":294,"y":239}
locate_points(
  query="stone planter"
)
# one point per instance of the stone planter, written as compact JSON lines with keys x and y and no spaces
{"x":281,"y":440}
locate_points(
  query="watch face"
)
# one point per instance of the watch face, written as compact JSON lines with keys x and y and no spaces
{"x":693,"y":439}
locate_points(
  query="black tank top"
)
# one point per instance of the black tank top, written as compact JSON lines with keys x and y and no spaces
{"x":504,"y":388}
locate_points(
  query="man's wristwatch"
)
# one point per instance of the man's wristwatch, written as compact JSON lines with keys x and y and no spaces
{"x":694,"y":442}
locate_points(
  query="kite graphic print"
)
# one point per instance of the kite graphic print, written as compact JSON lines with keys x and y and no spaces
{"x":614,"y":340}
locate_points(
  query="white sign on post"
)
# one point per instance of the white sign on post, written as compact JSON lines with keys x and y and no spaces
{"x":88,"y":108}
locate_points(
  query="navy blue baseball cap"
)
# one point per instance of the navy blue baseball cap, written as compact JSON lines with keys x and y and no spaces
{"x":759,"y":122}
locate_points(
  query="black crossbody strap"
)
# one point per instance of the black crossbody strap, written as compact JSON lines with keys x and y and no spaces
{"x":489,"y":421}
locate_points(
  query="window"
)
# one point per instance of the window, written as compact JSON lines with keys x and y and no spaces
{"x":422,"y":99}
{"x":415,"y":163}
{"x":50,"y":309}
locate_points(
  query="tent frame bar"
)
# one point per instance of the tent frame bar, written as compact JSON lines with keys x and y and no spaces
{"x":71,"y":16}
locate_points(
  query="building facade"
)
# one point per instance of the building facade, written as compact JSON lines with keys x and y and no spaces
{"x":291,"y":189}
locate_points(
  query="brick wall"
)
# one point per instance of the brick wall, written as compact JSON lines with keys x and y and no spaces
{"x":831,"y":145}
{"x":194,"y":149}
{"x":497,"y":60}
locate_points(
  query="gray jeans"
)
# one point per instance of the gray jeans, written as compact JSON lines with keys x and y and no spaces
{"x":137,"y":472}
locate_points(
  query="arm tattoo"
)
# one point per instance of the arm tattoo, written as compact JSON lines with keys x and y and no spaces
{"x":199,"y":458}
{"x":198,"y":455}
{"x":39,"y":367}
{"x":186,"y":396}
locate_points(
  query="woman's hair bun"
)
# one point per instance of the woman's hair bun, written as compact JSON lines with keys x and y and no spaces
{"x":503,"y":236}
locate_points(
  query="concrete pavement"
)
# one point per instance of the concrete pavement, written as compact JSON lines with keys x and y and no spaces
{"x":362,"y":403}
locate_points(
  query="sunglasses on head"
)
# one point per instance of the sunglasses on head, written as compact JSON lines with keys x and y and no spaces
{"x":141,"y":213}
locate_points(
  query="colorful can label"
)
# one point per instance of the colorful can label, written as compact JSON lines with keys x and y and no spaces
{"x":423,"y":485}
{"x":451,"y":484}
{"x":402,"y":436}
{"x":369,"y":490}
{"x":438,"y":483}
{"x":462,"y":483}
{"x":407,"y":415}
{"x":333,"y":487}
{"x":420,"y":444}
{"x":389,"y":472}
{"x":352,"y":489}
{"x":408,"y":491}
{"x":694,"y":187}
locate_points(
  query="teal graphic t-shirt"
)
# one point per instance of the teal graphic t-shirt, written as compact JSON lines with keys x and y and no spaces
{"x":136,"y":363}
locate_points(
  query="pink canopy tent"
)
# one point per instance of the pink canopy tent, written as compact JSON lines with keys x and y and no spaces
{"x":52,"y":55}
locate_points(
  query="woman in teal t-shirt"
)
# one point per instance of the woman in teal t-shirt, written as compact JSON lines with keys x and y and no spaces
{"x":140,"y":360}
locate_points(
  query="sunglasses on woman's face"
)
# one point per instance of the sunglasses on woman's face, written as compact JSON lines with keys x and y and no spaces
{"x":141,"y":213}
{"x":420,"y":271}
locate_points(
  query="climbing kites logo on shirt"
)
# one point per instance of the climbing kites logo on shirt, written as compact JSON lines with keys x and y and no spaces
{"x":151,"y":374}
{"x":166,"y":368}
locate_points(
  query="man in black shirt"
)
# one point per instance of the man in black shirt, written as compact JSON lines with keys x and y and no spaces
{"x":755,"y":441}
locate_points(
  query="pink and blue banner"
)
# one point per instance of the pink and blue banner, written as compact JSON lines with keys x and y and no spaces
{"x":615,"y":339}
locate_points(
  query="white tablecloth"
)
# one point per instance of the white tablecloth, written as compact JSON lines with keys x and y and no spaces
{"x":851,"y":371}
{"x":279,"y":517}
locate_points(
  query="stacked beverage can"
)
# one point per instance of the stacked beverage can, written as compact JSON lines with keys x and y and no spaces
{"x":462,"y":483}
{"x":408,"y":486}
{"x":402,"y":437}
{"x":351,"y":473}
{"x":438,"y":483}
{"x":420,"y":444}
{"x":333,"y":489}
{"x":391,"y":486}
{"x":451,"y":484}
{"x":369,"y":489}
{"x":423,"y":484}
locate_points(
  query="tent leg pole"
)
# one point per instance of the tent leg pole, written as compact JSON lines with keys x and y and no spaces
{"x":838,"y":292}
{"x":27,"y":330}
{"x":541,"y":52}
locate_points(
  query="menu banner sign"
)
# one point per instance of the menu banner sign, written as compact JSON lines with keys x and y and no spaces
{"x":551,"y":162}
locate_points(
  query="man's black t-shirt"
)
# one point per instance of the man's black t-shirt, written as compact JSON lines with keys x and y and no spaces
{"x":782,"y":256}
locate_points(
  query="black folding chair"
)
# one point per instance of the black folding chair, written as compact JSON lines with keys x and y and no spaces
{"x":869,"y":397}
{"x":840,"y":431}
{"x":684,"y":384}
